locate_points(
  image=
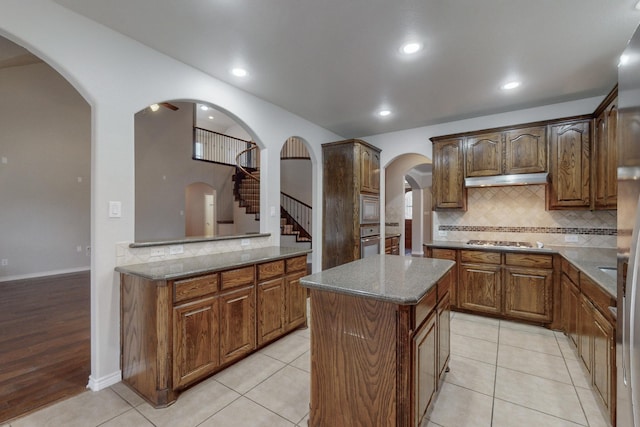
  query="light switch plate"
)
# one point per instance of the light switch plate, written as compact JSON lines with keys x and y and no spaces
{"x":176,"y":249}
{"x":571,"y":238}
{"x":157,"y":252}
{"x":115,"y":209}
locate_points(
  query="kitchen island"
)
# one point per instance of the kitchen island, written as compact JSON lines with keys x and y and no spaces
{"x":379,"y":341}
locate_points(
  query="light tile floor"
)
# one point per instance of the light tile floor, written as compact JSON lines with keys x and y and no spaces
{"x":502,"y":374}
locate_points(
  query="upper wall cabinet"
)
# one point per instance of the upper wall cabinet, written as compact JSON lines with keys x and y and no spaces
{"x":605,"y":154}
{"x":369,"y":169}
{"x":526,"y":150}
{"x":448,"y":180}
{"x":569,"y":148}
{"x":483,"y":154}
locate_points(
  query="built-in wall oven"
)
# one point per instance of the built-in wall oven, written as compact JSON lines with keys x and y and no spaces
{"x":369,"y":240}
{"x":369,"y":209}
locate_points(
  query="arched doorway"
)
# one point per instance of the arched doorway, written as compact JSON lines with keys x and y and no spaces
{"x":45,"y":186}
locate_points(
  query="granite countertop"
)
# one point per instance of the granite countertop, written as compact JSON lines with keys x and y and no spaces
{"x":189,"y":266}
{"x":586,"y":259}
{"x":392,"y":278}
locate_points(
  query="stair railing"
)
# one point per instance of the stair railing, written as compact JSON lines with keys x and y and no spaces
{"x":299,"y":213}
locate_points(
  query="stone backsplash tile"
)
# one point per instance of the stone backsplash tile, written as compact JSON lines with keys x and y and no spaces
{"x":518,"y":213}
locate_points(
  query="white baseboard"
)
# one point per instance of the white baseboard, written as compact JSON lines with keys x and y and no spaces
{"x":97,"y":384}
{"x":44,"y":274}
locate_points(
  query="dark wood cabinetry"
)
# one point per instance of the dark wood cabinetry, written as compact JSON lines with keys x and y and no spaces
{"x":570,"y":155}
{"x":528,"y":280}
{"x":177,"y":332}
{"x":392,"y":245}
{"x":526,"y":150}
{"x":452,"y":255}
{"x":350,"y":168}
{"x":570,"y":301}
{"x":605,"y":154}
{"x":483,"y":154}
{"x":480,"y":281}
{"x":448,"y":187}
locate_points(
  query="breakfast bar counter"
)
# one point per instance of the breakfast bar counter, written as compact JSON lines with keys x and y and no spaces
{"x":379,"y":340}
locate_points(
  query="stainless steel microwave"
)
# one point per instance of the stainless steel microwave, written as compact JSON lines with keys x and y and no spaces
{"x":369,"y":209}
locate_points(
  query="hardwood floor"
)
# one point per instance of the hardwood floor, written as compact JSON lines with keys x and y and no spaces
{"x":45,"y":352}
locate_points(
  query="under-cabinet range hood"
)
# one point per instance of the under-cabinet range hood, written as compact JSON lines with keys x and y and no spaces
{"x":504,"y":180}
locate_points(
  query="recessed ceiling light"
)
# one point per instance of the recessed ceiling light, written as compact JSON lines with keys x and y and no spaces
{"x":154,"y":107}
{"x":210,"y":117}
{"x":384,"y":113}
{"x":239,"y":72}
{"x":410,"y":48}
{"x":204,"y":107}
{"x":624,"y":59}
{"x":510,"y":85}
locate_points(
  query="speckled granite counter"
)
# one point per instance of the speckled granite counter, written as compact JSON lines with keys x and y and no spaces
{"x":183,"y":267}
{"x":397,"y":279}
{"x":584,"y":258}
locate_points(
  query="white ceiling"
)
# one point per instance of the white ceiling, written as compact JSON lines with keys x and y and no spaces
{"x":336,"y":62}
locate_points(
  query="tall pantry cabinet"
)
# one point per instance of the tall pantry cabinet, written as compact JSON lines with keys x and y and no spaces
{"x":350,"y":168}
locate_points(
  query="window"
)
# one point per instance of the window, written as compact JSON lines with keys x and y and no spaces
{"x":408,"y":205}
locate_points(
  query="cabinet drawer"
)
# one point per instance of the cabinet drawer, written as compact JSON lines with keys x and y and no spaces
{"x":600,"y":299}
{"x":443,"y":253}
{"x":444,"y":285}
{"x":237,"y":277}
{"x":481,"y":257}
{"x":269,"y":270}
{"x":426,"y":305}
{"x":194,"y":287}
{"x":529,"y":260}
{"x":571,"y":271}
{"x":297,"y":264}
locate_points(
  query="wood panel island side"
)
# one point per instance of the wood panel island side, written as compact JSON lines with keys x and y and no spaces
{"x":379,"y":340}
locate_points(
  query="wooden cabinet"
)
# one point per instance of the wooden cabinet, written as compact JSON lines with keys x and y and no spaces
{"x":570,"y":167}
{"x":195,"y":340}
{"x":448,"y":175}
{"x":392,"y":245}
{"x":604,"y":354}
{"x":480,"y":281}
{"x":350,"y":168}
{"x":585,"y":326}
{"x":528,"y":282}
{"x":450,"y":254}
{"x":570,"y":300}
{"x":605,"y":154}
{"x":369,"y":169}
{"x":389,"y":362}
{"x":177,"y":332}
{"x":483,"y":154}
{"x":526,"y":150}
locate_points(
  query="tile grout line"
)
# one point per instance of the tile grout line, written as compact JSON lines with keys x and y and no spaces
{"x":584,"y":412}
{"x":495,"y":375}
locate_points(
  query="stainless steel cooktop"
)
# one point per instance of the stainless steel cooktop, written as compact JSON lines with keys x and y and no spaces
{"x":499,"y":243}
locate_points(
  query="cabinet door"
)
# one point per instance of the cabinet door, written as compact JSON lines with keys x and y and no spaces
{"x":480,"y":288}
{"x":270,"y":310}
{"x":526,"y":150}
{"x":449,"y":254}
{"x":296,"y":301}
{"x":603,"y":358}
{"x":444,"y":335}
{"x":425,"y":373}
{"x":585,"y":331}
{"x":528,"y":293}
{"x":484,"y":155}
{"x":448,"y":175}
{"x":195,"y":341}
{"x":605,"y":154}
{"x":570,"y":169}
{"x":570,"y":301}
{"x":369,"y":170}
{"x":237,"y":324}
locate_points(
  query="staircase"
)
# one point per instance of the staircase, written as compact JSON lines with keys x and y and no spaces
{"x":246,"y":191}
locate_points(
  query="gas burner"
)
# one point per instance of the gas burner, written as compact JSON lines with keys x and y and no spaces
{"x":499,"y":243}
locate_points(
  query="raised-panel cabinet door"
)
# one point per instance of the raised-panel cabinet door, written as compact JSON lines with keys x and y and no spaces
{"x":484,"y":155}
{"x":444,"y":335}
{"x":296,"y":306}
{"x":426,"y":374}
{"x":270,"y":310}
{"x":195,"y":340}
{"x":570,"y":168}
{"x":585,"y":331}
{"x":448,"y":175}
{"x":526,"y":150}
{"x":603,"y":357}
{"x":480,"y":288}
{"x":570,"y":301}
{"x":365,"y":169}
{"x":528,"y":294}
{"x":237,"y":324}
{"x":605,"y":154}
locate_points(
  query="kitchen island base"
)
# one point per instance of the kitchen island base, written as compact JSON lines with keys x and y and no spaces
{"x":376,"y":362}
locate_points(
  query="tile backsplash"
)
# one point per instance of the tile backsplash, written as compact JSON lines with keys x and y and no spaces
{"x":518,"y":213}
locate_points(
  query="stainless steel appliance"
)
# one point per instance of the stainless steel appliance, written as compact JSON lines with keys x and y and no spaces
{"x":628,"y":299}
{"x":369,"y":240}
{"x":369,"y":209}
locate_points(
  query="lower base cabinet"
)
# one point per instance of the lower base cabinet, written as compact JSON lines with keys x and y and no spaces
{"x":374,"y":362}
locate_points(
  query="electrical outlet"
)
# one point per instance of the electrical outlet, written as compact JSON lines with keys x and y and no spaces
{"x":176,"y":249}
{"x":157,"y":252}
{"x":244,"y":242}
{"x":442,"y":233}
{"x":5,"y":262}
{"x":87,"y":251}
{"x":571,"y":238}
